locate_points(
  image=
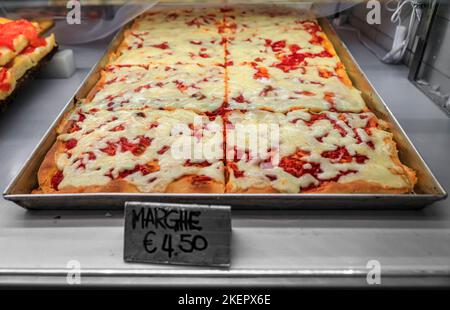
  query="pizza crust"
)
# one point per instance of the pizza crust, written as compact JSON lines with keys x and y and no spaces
{"x":188,"y":185}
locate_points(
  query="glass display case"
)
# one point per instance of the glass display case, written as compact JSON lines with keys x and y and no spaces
{"x":323,"y":125}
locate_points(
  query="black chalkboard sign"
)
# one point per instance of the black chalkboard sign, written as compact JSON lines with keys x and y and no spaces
{"x":177,"y":234}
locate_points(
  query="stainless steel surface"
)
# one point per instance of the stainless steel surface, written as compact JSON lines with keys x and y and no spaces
{"x":288,"y":248}
{"x":427,"y":190}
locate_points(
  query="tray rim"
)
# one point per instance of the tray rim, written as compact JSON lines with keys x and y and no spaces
{"x":324,"y":22}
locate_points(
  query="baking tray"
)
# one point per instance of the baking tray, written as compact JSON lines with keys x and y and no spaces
{"x":427,"y":190}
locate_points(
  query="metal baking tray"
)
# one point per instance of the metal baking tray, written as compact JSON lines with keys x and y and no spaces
{"x":427,"y":190}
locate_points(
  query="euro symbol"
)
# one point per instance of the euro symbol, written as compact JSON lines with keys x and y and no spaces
{"x":148,"y":242}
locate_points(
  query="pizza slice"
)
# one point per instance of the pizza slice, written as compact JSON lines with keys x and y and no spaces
{"x":168,"y":47}
{"x":135,"y":151}
{"x":285,"y":49}
{"x":194,"y":87}
{"x":203,"y":19}
{"x":14,"y":37}
{"x":18,"y":59}
{"x":282,"y":38}
{"x":301,"y":152}
{"x":254,"y":86}
{"x":245,"y":19}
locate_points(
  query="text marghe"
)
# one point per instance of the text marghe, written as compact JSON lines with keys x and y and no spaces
{"x":164,"y":218}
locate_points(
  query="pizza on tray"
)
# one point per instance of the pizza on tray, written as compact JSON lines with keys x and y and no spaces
{"x":324,"y":152}
{"x":22,"y":51}
{"x":244,"y":100}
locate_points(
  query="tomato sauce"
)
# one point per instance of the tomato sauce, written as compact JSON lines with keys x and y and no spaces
{"x":125,"y":145}
{"x":261,"y":72}
{"x":120,"y":127}
{"x":162,"y":46}
{"x":296,"y":166}
{"x":200,"y":179}
{"x":294,"y":60}
{"x":240,"y":99}
{"x":202,"y":164}
{"x":237,"y":173}
{"x":56,"y":179}
{"x":4,"y":86}
{"x":10,"y":31}
{"x":341,"y":155}
{"x":70,"y":144}
{"x":164,"y":149}
{"x":144,"y":169}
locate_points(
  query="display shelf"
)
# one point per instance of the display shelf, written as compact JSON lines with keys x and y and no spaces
{"x":268,"y":247}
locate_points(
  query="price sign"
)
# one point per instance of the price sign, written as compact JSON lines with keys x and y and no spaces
{"x":177,"y":234}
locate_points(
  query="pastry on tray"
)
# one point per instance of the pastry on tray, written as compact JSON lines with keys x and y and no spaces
{"x":222,"y":74}
{"x":23,"y":51}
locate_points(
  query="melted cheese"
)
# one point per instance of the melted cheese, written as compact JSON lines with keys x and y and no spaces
{"x":195,"y":87}
{"x":282,"y":91}
{"x":271,"y":58}
{"x":86,"y":164}
{"x":206,"y":19}
{"x":169,"y":47}
{"x":295,"y":134}
{"x":250,"y":17}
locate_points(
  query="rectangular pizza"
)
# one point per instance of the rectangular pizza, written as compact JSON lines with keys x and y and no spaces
{"x":324,"y":152}
{"x":169,"y":86}
{"x":224,"y":100}
{"x":135,"y":151}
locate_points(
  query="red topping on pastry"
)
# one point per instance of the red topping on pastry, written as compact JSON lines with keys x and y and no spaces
{"x":3,"y":75}
{"x":294,"y":60}
{"x":325,"y":73}
{"x":240,"y":99}
{"x":201,"y":164}
{"x":162,"y":46}
{"x":56,"y":179}
{"x":125,"y":145}
{"x":261,"y":72}
{"x":180,"y":85}
{"x":70,"y":144}
{"x":266,"y":91}
{"x":237,"y":173}
{"x":163,"y":149}
{"x":118,"y":128}
{"x":305,"y":93}
{"x":341,"y":155}
{"x":11,"y":30}
{"x":144,"y":169}
{"x":200,"y":179}
{"x":313,"y":29}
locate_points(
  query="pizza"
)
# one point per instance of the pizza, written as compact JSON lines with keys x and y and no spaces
{"x":171,"y":86}
{"x":254,"y":86}
{"x":135,"y":151}
{"x":224,"y":100}
{"x":21,"y":50}
{"x":284,"y":40}
{"x":324,"y":152}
